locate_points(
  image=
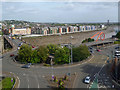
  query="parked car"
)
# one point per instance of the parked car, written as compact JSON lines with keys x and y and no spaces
{"x":91,"y":51}
{"x":33,"y":46}
{"x":26,"y":66}
{"x":98,"y":50}
{"x":87,"y":80}
{"x":117,"y":47}
{"x":11,"y":55}
{"x":90,"y":48}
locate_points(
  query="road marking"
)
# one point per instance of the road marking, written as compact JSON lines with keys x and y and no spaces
{"x":28,"y":85}
{"x":28,"y":80}
{"x":43,"y":76}
{"x":38,"y":85}
{"x":24,"y":74}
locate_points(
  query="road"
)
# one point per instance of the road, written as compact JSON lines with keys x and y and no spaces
{"x":35,"y":77}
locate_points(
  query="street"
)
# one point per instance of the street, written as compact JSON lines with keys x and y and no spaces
{"x":35,"y":76}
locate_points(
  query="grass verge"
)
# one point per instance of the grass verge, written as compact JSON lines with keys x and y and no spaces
{"x":7,"y":83}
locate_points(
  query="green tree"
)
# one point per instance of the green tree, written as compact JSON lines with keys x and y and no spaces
{"x":80,"y":53}
{"x":52,"y":48}
{"x":24,"y":53}
{"x":42,"y":53}
{"x":118,"y":35}
{"x":34,"y":57}
{"x":62,"y":56}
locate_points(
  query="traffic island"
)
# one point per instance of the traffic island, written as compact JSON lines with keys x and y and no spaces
{"x":62,"y":81}
{"x":9,"y":81}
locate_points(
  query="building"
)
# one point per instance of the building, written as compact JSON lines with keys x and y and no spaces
{"x":53,"y":30}
{"x":21,"y":31}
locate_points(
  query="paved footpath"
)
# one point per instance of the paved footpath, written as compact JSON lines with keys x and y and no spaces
{"x":94,"y":86}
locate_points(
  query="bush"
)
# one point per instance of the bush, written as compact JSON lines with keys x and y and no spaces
{"x":88,"y":40}
{"x":117,"y":42}
{"x":48,"y":65}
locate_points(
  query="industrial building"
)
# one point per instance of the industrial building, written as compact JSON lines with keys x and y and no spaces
{"x":21,"y":31}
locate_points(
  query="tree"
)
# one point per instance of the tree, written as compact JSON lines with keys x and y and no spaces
{"x":42,"y":53}
{"x":62,"y":56}
{"x":34,"y":57}
{"x":118,"y":35}
{"x":80,"y":53}
{"x":52,"y":48}
{"x":24,"y":53}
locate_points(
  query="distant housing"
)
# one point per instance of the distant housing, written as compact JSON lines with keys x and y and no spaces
{"x":50,"y":30}
{"x":65,"y":29}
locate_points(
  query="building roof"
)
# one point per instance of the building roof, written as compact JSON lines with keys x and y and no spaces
{"x":20,"y":29}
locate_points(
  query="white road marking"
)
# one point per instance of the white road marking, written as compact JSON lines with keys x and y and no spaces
{"x":24,"y":74}
{"x":38,"y":85}
{"x":19,"y":82}
{"x":28,"y":85}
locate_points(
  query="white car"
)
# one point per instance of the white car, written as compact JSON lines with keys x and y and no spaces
{"x":87,"y":80}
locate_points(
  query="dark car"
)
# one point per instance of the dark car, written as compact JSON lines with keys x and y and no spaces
{"x":91,"y":51}
{"x":90,"y":48}
{"x":11,"y":55}
{"x":117,"y":47}
{"x":26,"y":66}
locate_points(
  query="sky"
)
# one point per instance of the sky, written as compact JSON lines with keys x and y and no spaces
{"x":60,"y":12}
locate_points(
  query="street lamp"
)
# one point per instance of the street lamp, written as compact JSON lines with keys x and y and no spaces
{"x":60,"y":38}
{"x":51,"y":62}
{"x":71,"y":37}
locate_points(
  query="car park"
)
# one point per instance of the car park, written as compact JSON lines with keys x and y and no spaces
{"x":87,"y":80}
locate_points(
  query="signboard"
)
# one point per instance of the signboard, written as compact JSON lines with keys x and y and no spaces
{"x":52,"y":77}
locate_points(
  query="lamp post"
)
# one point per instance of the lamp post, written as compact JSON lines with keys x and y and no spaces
{"x":51,"y":62}
{"x":71,"y":37}
{"x":60,"y":39}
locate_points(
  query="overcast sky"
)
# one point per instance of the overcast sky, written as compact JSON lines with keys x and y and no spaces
{"x":61,"y":12}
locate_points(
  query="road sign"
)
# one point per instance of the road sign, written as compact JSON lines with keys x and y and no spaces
{"x":52,"y":77}
{"x":11,"y":79}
